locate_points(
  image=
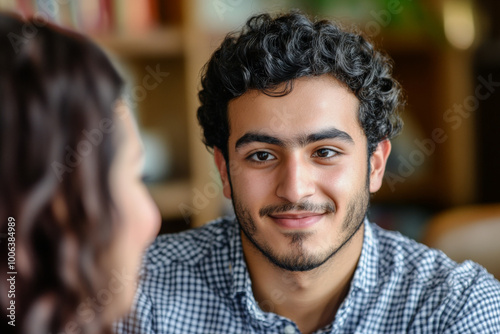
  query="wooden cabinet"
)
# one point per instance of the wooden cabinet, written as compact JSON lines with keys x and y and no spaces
{"x":191,"y":192}
{"x":432,"y":163}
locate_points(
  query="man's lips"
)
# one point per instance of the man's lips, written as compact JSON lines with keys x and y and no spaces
{"x":297,"y":220}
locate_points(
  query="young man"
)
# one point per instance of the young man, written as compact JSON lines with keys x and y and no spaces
{"x":299,"y":115}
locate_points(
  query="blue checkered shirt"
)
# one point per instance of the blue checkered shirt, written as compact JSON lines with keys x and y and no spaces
{"x":197,"y":282}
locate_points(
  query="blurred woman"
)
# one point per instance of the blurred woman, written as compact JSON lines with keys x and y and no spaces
{"x":74,"y":214}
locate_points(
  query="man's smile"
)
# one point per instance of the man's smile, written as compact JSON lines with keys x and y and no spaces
{"x":297,"y":220}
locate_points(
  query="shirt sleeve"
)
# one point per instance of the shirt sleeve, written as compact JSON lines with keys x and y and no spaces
{"x":139,"y":320}
{"x":479,"y":310}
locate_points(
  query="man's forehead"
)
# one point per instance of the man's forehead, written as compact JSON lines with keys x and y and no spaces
{"x":305,"y":92}
{"x":314,"y":105}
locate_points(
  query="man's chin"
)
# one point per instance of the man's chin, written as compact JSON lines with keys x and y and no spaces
{"x":297,"y":264}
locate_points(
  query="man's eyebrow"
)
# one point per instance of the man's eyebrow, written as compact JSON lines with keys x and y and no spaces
{"x":303,"y":140}
{"x":332,"y":133}
{"x":251,"y":137}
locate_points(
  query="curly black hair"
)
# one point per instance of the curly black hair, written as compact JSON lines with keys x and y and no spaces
{"x":271,"y":51}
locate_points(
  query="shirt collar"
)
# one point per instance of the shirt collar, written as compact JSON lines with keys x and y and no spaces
{"x":241,"y":283}
{"x":366,"y":274}
{"x":237,"y":266}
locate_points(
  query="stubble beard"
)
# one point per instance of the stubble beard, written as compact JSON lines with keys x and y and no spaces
{"x":298,"y":259}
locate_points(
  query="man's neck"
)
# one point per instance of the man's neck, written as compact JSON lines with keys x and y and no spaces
{"x":310,"y":299}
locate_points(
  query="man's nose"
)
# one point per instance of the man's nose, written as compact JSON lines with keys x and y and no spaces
{"x":296,"y":179}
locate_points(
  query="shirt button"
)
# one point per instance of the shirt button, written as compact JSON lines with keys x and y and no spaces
{"x":289,"y":329}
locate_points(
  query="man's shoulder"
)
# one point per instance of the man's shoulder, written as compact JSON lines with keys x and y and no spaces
{"x":441,"y":295}
{"x":186,"y":277}
{"x":191,"y":246}
{"x":430,"y":268}
{"x":407,"y":256}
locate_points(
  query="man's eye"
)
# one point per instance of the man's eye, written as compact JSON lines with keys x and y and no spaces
{"x":324,"y":153}
{"x":261,"y":156}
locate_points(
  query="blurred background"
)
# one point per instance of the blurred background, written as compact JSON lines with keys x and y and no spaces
{"x":446,"y":55}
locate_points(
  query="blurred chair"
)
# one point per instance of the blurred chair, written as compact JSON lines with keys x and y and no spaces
{"x":468,"y":233}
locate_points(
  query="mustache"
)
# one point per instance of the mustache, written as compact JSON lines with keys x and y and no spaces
{"x":304,"y":206}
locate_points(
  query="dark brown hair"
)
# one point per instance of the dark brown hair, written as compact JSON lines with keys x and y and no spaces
{"x":56,"y":89}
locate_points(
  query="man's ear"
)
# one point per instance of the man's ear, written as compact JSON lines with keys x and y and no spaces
{"x":220,"y":162}
{"x":378,"y":161}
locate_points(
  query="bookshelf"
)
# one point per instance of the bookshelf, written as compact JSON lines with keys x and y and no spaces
{"x":144,"y":36}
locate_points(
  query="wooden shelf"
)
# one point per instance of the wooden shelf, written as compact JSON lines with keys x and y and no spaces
{"x":164,"y":42}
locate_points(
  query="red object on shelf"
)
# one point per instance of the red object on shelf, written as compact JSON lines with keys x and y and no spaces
{"x":25,"y":8}
{"x":133,"y":16}
{"x":94,"y":16}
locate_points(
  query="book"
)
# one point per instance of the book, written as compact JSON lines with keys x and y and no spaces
{"x":132,"y":16}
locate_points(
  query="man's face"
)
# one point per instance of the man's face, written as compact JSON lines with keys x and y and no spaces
{"x":298,"y":171}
